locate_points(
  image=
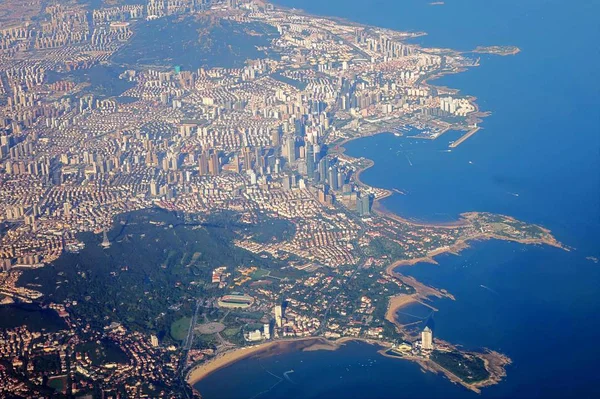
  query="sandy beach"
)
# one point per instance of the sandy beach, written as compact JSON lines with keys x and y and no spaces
{"x":381,"y":210}
{"x":307,"y":344}
{"x":429,"y":258}
{"x":204,"y":369}
{"x":396,"y":303}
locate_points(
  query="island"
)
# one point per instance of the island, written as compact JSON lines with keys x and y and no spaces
{"x":176,"y":196}
{"x":497,"y":50}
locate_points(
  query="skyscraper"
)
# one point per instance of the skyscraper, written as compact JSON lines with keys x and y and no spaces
{"x":214,"y":166}
{"x":203,"y":163}
{"x":427,"y":339}
{"x":287,"y":182}
{"x":323,"y":169}
{"x":290,"y":149}
{"x":236,"y":163}
{"x":279,"y":315}
{"x":154,"y":191}
{"x":341,"y":179}
{"x":363,"y":205}
{"x":310,"y":160}
{"x":333,"y":178}
{"x":105,"y":240}
{"x":247,"y":158}
{"x":275,"y":140}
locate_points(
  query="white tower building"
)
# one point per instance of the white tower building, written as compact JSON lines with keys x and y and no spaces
{"x":427,"y":339}
{"x":279,"y":316}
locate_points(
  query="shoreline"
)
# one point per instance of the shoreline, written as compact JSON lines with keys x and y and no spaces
{"x":463,"y":244}
{"x":202,"y":370}
{"x":461,"y":221}
{"x":398,"y":302}
{"x":378,"y":207}
{"x":495,"y":362}
{"x":422,"y":292}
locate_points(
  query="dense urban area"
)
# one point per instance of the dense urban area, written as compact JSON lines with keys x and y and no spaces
{"x":174,"y":187}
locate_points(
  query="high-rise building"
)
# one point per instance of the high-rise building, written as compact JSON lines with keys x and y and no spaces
{"x":259,"y":160}
{"x":154,"y":188}
{"x":67,"y":209}
{"x":323,"y":169}
{"x":310,"y":161}
{"x":341,"y":179}
{"x":299,"y":127}
{"x":252,"y":175}
{"x":290,"y":149}
{"x":287,"y":183}
{"x":203,"y":163}
{"x":172,"y":161}
{"x":267,"y":330}
{"x":105,"y":240}
{"x":279,"y":315}
{"x":333,"y":178}
{"x":214,"y":167}
{"x":363,"y":205}
{"x":275,"y":137}
{"x":236,"y":163}
{"x":277,"y":165}
{"x":247,"y":158}
{"x":427,"y":339}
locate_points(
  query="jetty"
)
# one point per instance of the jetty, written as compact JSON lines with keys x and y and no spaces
{"x":464,"y":137}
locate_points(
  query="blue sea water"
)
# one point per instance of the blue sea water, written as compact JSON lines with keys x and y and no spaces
{"x":537,"y":158}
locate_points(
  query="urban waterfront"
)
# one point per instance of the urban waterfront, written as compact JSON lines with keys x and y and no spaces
{"x":536,"y":159}
{"x":174,"y":214}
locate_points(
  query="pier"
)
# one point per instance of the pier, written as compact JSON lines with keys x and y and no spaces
{"x":464,"y":137}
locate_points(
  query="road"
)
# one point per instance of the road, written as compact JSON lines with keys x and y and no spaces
{"x":189,"y":339}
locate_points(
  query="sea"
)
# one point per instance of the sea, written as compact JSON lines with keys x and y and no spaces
{"x":537,"y":158}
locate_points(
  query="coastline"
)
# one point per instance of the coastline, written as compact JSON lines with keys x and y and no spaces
{"x":202,"y":370}
{"x":462,"y":221}
{"x":396,"y":303}
{"x":463,"y":244}
{"x":378,"y":207}
{"x":494,"y":361}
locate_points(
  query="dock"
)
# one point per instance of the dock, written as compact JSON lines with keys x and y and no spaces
{"x":464,"y":137}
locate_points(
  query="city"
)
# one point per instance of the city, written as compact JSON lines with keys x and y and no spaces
{"x":181,"y":150}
